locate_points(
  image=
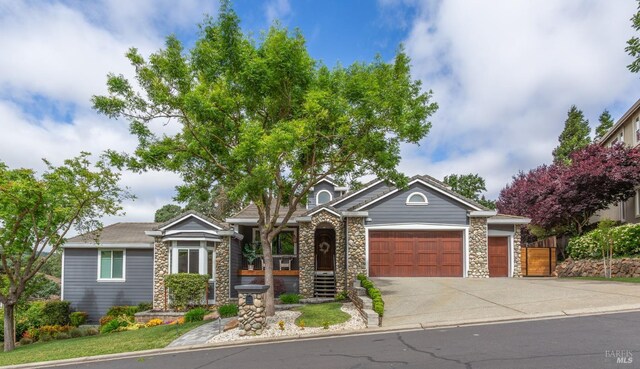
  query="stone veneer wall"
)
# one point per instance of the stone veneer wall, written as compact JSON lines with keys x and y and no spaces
{"x":251,"y":317}
{"x":625,"y":267}
{"x":356,"y":258}
{"x":160,"y":269}
{"x":306,"y":251}
{"x":222,"y":284}
{"x":478,"y":248}
{"x":517,"y":263}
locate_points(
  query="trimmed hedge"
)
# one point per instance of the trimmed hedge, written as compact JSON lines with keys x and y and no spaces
{"x":186,"y":289}
{"x":78,"y":318}
{"x":289,"y":298}
{"x":626,"y":242}
{"x":56,"y":313}
{"x":373,"y":293}
{"x":195,"y":315}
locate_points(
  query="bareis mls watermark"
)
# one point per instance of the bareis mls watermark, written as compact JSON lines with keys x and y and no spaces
{"x":619,"y":356}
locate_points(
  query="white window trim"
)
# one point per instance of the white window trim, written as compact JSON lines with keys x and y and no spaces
{"x":637,"y":202}
{"x":425,"y":202}
{"x":318,"y":195}
{"x":202,"y":258}
{"x":124,"y":266}
{"x":618,"y":139}
{"x":636,"y":128}
{"x":255,"y":231}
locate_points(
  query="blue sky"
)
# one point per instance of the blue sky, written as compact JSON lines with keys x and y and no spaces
{"x":503,"y":72}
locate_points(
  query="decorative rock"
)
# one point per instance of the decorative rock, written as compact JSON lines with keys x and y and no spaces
{"x":231,"y":325}
{"x":625,"y":267}
{"x":161,"y":268}
{"x":212,"y":316}
{"x":252,"y":316}
{"x":222,"y":283}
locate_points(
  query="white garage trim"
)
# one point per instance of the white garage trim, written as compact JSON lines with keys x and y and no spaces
{"x":423,"y":227}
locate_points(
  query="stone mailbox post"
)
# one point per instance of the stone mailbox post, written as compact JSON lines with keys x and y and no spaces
{"x":251,"y":315}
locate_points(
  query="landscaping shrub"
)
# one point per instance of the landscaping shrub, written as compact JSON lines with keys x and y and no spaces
{"x":342,"y":296}
{"x":373,"y":293}
{"x":53,"y":330}
{"x":91,"y":331}
{"x":115,"y":323}
{"x":195,"y":315}
{"x":56,"y":313}
{"x":78,"y":318}
{"x":228,"y":310}
{"x":144,"y":306}
{"x":25,"y":341}
{"x":290,"y":298}
{"x":186,"y":289}
{"x":154,"y":322}
{"x":45,"y":337}
{"x":626,"y":242}
{"x":106,"y":319}
{"x":34,"y":314}
{"x":76,"y":332}
{"x":278,"y":285}
{"x":116,"y":311}
{"x":61,"y":336}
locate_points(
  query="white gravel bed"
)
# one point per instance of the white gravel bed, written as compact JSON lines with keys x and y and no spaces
{"x":290,"y":329}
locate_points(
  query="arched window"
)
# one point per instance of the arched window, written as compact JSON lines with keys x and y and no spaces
{"x":417,"y":198}
{"x":323,"y":196}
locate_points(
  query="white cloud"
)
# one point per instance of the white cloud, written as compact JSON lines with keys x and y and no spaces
{"x":505,"y":73}
{"x":277,"y":9}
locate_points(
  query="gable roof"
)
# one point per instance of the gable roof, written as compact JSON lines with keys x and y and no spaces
{"x":620,"y":122}
{"x":251,"y":212}
{"x":190,"y":214}
{"x":429,"y":182}
{"x":118,"y":233}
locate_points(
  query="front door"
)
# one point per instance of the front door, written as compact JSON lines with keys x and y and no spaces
{"x":325,"y":249}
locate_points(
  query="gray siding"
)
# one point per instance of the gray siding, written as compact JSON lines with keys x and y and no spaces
{"x":363,"y":196}
{"x":191,"y":224}
{"x":317,"y":188}
{"x":235,"y":264}
{"x":86,"y":294}
{"x":394,"y":210}
{"x":500,"y":229}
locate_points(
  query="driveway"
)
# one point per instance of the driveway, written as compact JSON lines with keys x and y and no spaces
{"x":450,"y":301}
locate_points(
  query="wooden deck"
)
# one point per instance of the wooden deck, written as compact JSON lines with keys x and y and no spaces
{"x":260,"y":272}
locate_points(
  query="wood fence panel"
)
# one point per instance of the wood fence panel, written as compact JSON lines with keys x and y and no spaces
{"x":538,"y":261}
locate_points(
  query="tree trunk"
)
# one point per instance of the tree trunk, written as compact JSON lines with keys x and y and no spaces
{"x":9,"y":328}
{"x":270,"y":309}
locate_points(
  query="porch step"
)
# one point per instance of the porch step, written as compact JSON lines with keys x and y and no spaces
{"x":324,"y":285}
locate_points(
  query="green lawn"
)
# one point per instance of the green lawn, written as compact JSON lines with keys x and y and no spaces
{"x":110,"y":343}
{"x":614,"y":279}
{"x":315,"y":315}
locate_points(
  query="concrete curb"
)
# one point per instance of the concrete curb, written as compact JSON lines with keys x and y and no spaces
{"x":368,"y":331}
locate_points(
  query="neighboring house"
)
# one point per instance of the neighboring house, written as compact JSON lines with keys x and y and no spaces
{"x":626,"y":130}
{"x":423,"y":230}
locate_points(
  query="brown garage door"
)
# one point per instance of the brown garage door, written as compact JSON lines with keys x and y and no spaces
{"x":498,"y":257}
{"x":415,"y":253}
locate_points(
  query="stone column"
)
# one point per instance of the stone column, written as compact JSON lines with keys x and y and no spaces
{"x":478,"y":248}
{"x":305,"y":259}
{"x":517,"y":251}
{"x":251,"y":315}
{"x":357,"y":261}
{"x":160,"y":269}
{"x":223,"y":250}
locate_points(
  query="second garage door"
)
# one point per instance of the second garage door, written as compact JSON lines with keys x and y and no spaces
{"x":415,"y":253}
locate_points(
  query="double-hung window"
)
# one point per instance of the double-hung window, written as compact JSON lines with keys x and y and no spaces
{"x":188,"y":261}
{"x":111,"y":265}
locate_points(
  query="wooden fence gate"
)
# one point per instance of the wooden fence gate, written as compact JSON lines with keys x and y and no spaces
{"x":538,"y":259}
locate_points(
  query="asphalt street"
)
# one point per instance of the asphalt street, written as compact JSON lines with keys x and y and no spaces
{"x":599,"y":341}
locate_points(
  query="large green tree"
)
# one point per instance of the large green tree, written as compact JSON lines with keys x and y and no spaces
{"x":633,"y":44}
{"x":574,"y":136}
{"x":37,"y":213}
{"x":605,"y":124}
{"x":470,"y":186}
{"x":264,"y":120}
